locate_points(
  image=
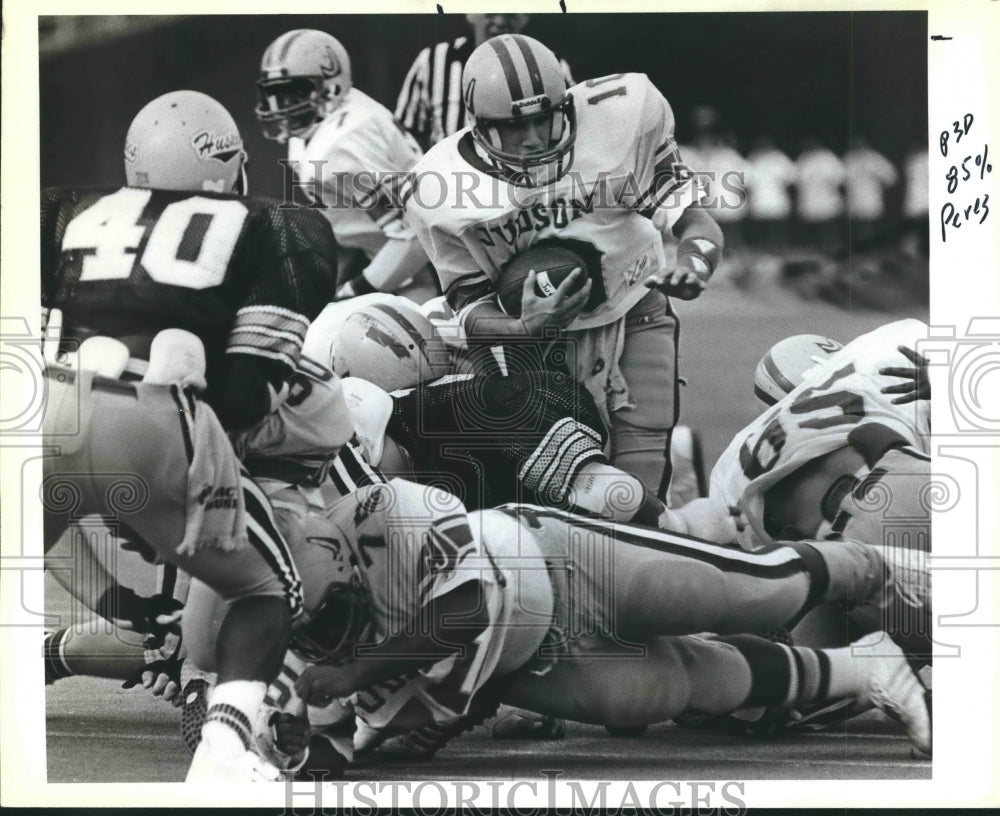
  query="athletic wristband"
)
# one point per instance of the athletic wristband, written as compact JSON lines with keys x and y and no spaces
{"x":701,"y":255}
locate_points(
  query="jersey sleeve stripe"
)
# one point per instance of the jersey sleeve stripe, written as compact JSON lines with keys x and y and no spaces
{"x":278,"y":311}
{"x":287,"y":359}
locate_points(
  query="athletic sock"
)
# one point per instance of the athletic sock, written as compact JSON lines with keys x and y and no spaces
{"x":232,"y":710}
{"x":791,"y":676}
{"x":56,"y":667}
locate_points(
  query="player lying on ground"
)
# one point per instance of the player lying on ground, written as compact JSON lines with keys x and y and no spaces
{"x":537,"y":594}
{"x":168,"y":287}
{"x":841,"y":452}
{"x":347,"y":152}
{"x":569,"y":617}
{"x":837,"y":455}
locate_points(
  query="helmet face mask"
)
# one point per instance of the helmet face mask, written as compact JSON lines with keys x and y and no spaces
{"x":304,"y":76}
{"x":511,"y":85}
{"x":532,"y":165}
{"x":340,"y":622}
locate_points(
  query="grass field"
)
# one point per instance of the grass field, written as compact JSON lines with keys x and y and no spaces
{"x":98,"y":732}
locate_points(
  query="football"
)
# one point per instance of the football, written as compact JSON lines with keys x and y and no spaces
{"x":552,"y":261}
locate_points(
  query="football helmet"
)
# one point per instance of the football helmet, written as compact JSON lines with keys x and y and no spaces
{"x":391,"y":344}
{"x":304,"y":76}
{"x":511,"y":82}
{"x":185,"y":140}
{"x":786,"y":364}
{"x":338,"y":612}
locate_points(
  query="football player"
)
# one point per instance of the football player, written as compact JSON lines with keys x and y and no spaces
{"x":533,"y":436}
{"x":183,"y":306}
{"x":842,"y":451}
{"x":386,"y":562}
{"x":347,"y":152}
{"x":543,"y":162}
{"x":569,"y":617}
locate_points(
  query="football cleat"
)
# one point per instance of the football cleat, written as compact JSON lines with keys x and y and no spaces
{"x":893,"y":688}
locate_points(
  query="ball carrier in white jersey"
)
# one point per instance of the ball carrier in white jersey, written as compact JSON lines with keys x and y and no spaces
{"x":598,"y":165}
{"x":345,"y":151}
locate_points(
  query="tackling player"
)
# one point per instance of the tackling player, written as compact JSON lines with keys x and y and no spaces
{"x":533,"y":436}
{"x":536,"y":591}
{"x":543,"y":162}
{"x":569,"y":617}
{"x":347,"y":152}
{"x":841,"y":453}
{"x":172,"y":286}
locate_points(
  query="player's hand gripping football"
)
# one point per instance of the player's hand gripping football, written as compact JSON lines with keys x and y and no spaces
{"x":558,"y":310}
{"x":915,"y":385}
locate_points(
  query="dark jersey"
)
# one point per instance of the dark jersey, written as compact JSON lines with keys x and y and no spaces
{"x":243,"y":274}
{"x":493,"y":439}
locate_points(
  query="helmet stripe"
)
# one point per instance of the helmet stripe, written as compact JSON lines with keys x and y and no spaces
{"x":513,"y":81}
{"x":537,"y":86}
{"x":292,"y":36}
{"x":763,"y":396}
{"x":402,"y":321}
{"x":782,"y":381}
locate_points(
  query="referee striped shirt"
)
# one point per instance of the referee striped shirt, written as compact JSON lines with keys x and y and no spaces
{"x":430,"y":103}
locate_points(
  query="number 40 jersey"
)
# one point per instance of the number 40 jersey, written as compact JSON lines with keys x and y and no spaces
{"x":816,"y":418}
{"x":245,"y":275}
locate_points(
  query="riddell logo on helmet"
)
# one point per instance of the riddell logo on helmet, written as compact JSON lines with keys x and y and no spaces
{"x":221,"y":147}
{"x":538,"y":103}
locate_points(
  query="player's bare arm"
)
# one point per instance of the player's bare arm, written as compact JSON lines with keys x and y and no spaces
{"x":445,"y":626}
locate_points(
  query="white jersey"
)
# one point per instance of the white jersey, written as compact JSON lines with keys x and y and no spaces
{"x":350,"y":157}
{"x":836,"y":397}
{"x":471,"y":221}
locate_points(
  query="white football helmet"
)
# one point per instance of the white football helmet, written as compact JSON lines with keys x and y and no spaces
{"x":391,"y":344}
{"x":185,"y":140}
{"x":514,"y":80}
{"x":338,"y":612}
{"x":786,"y":364}
{"x":304,"y":76}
